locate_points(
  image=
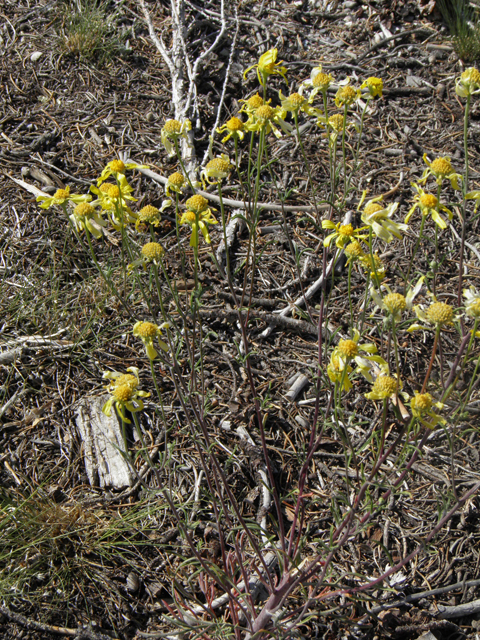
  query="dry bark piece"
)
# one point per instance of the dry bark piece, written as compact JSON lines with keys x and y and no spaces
{"x":103,"y":443}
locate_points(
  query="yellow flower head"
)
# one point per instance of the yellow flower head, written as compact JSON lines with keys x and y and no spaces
{"x":216,"y":170}
{"x":267,"y":65}
{"x":125,"y":395}
{"x":234,"y":128}
{"x":127,"y":379}
{"x":265,"y":112}
{"x":85,"y":216}
{"x":296,"y":100}
{"x":421,"y":403}
{"x":319,"y":82}
{"x":336,"y":122}
{"x":197,"y":203}
{"x":322,"y":81}
{"x":441,"y":168}
{"x":344,"y":353}
{"x":172,"y":128}
{"x":148,"y":215}
{"x":440,"y":313}
{"x":198,"y":220}
{"x":252,"y":104}
{"x":346,"y":96}
{"x":175,"y":182}
{"x":296,"y":103}
{"x":383,"y":388}
{"x":469,"y":83}
{"x":343,"y":233}
{"x":422,"y":408}
{"x":153,"y":251}
{"x":348,"y":348}
{"x":371,"y":208}
{"x":266,"y":118}
{"x":429,"y":204}
{"x":113,"y":198}
{"x":117,"y":168}
{"x":84,"y":210}
{"x":354,"y":251}
{"x":374,"y":87}
{"x":395,"y":303}
{"x":171,"y":133}
{"x":188,"y":218}
{"x":147,"y":331}
{"x":61,"y":197}
{"x":378,"y":217}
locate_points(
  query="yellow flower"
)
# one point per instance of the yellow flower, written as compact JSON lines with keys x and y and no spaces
{"x":429,"y":204}
{"x":117,"y":169}
{"x":342,"y":234}
{"x":335,"y":371}
{"x":113,"y":198}
{"x":252,"y":104}
{"x":147,"y":331}
{"x":216,"y":170}
{"x":124,"y":393}
{"x":354,"y":251}
{"x":266,"y":118}
{"x":175,"y":182}
{"x":441,"y":168}
{"x":383,"y":388}
{"x":85,"y":216}
{"x":267,"y":66}
{"x":151,"y":252}
{"x":198,"y":220}
{"x":395,"y":303}
{"x":61,"y":197}
{"x":347,"y":351}
{"x":296,"y":103}
{"x":234,"y":127}
{"x":379,"y":218}
{"x":469,"y":83}
{"x":421,"y":405}
{"x":472,"y":302}
{"x":148,"y":215}
{"x":438,"y":314}
{"x":172,"y":131}
{"x":374,"y":86}
{"x":319,"y":82}
{"x":336,"y":122}
{"x":347,"y":95}
{"x":197,"y":203}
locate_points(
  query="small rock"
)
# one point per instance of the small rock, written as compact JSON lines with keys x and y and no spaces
{"x":150,"y":117}
{"x":133,"y":582}
{"x":301,"y":421}
{"x":36,"y":55}
{"x":440,"y":90}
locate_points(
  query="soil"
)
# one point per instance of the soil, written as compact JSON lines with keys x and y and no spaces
{"x":64,"y":118}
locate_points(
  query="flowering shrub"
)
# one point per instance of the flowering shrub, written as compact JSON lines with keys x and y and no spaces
{"x":350,"y":368}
